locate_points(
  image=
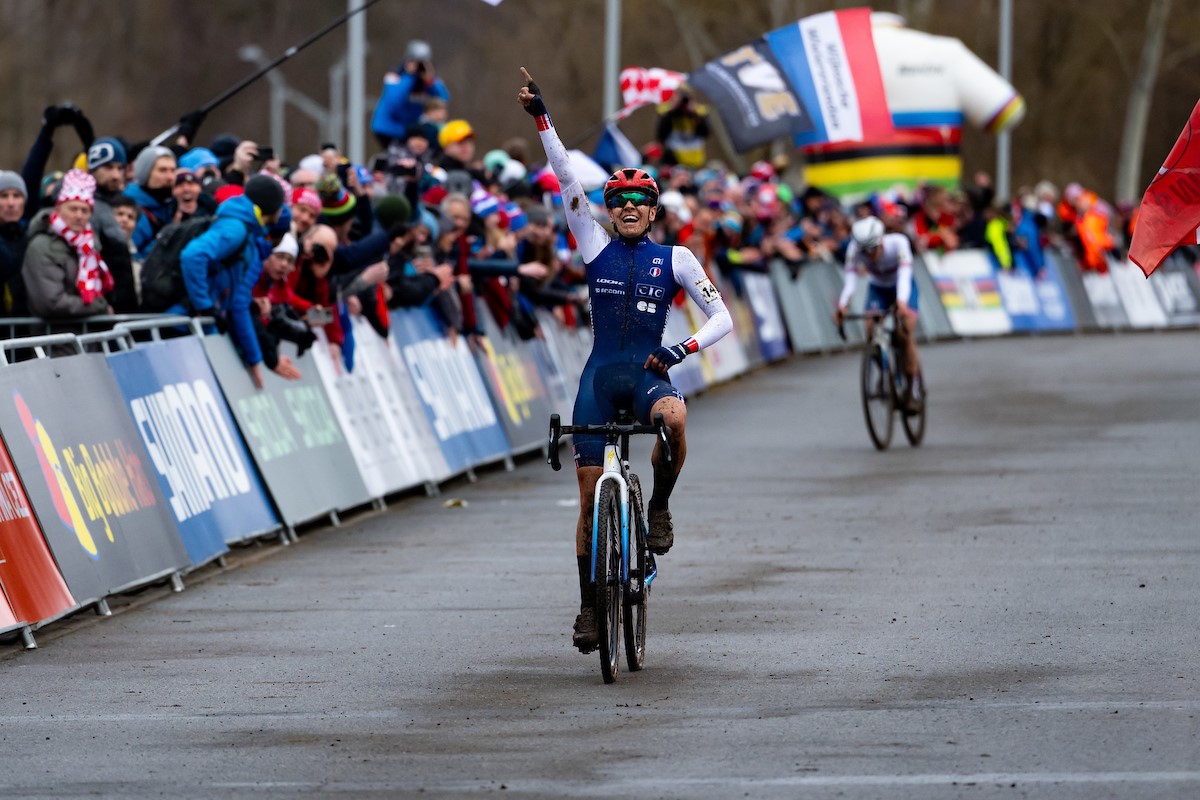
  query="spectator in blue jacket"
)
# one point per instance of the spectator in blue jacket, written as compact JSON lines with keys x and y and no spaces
{"x":221,"y":266}
{"x":154,"y":182}
{"x":406,"y":88}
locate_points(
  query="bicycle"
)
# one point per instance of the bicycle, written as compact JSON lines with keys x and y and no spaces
{"x":622,"y":565}
{"x":885,"y":383}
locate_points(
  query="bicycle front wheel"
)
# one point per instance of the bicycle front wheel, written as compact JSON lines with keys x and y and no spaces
{"x":877,"y":396}
{"x":608,"y":581}
{"x":637,"y":592}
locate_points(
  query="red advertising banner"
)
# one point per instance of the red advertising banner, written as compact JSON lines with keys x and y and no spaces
{"x":28,"y":574}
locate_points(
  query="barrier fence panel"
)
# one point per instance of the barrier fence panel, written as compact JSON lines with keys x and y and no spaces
{"x":1138,"y":298}
{"x":1178,"y":289}
{"x":377,"y":444}
{"x":800,"y":300}
{"x":967,"y":287}
{"x":720,"y":362}
{"x":689,"y":375}
{"x":293,"y":435}
{"x":1034,"y":304}
{"x":932,"y":321}
{"x":402,"y":408}
{"x":87,"y":475}
{"x":450,"y":388}
{"x":568,"y":349}
{"x":30,"y":579}
{"x":1102,"y":296}
{"x":1062,"y":263}
{"x":510,"y":372}
{"x":767,"y":316}
{"x":212,"y":487}
{"x":733,"y":291}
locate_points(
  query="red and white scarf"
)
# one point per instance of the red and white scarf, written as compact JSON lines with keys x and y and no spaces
{"x":93,"y":278}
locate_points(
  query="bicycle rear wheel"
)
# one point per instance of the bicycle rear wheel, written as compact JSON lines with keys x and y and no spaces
{"x":608,"y":581}
{"x":877,"y":396}
{"x":913,"y":423}
{"x":637,"y":593}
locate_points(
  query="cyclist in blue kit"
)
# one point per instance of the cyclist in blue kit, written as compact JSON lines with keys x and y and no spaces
{"x":631,"y":283}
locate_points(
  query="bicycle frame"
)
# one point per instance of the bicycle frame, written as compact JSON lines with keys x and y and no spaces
{"x":616,"y":467}
{"x":616,"y":470}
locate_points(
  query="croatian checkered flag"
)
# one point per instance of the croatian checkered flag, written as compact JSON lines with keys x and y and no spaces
{"x":641,"y":85}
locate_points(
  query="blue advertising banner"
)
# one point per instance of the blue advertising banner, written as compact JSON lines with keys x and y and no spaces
{"x":768,"y":319}
{"x":451,"y":390}
{"x":203,"y":466}
{"x":1034,"y":303}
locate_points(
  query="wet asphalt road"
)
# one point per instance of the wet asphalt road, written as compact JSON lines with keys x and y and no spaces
{"x":1008,"y":611}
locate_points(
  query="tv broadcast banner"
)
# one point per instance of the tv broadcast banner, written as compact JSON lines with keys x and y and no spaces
{"x":203,"y":467}
{"x":29,"y":578}
{"x":87,"y":475}
{"x":292,"y":434}
{"x":451,"y":391}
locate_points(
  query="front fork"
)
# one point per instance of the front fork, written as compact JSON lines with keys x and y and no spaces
{"x":612,"y":472}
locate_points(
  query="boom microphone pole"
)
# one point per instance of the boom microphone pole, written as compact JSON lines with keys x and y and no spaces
{"x":249,"y":79}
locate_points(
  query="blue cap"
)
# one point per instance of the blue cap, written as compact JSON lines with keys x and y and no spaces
{"x":106,"y":150}
{"x":197,"y":158}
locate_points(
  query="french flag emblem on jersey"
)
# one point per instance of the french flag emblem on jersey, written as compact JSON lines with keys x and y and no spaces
{"x":655,"y":272}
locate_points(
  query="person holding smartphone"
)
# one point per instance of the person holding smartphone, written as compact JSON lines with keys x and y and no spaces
{"x":406,"y":87}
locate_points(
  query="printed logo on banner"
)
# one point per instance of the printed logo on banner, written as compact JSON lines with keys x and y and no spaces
{"x":13,"y":505}
{"x":191,"y":446}
{"x":267,"y":426}
{"x":447,"y":387}
{"x":109,"y":477}
{"x":512,"y":383}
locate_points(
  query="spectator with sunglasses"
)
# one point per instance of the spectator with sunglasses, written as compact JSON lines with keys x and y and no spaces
{"x":632,"y":282}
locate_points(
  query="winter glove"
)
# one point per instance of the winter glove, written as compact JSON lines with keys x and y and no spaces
{"x":536,"y":107}
{"x":670,"y":356}
{"x":190,"y":123}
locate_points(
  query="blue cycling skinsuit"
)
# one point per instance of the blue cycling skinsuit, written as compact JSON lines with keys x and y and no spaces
{"x":631,"y":284}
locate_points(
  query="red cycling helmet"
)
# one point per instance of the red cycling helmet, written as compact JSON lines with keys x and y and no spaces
{"x":630,"y":179}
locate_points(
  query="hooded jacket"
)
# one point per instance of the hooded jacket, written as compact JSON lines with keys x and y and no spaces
{"x":224,"y":290}
{"x":50,"y":269}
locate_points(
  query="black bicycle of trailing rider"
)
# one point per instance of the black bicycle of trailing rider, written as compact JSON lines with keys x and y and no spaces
{"x":622,"y":566}
{"x":885,"y":383}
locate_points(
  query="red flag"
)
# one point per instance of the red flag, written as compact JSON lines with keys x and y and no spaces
{"x":1170,"y":212}
{"x":640,"y":86}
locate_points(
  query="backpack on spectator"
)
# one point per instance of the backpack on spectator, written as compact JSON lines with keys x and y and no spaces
{"x":162,"y":274}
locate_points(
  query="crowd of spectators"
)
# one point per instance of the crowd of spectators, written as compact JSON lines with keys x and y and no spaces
{"x":274,"y":249}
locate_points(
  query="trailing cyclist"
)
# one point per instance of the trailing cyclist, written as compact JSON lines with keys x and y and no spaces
{"x":631,"y":283}
{"x":887,"y":260}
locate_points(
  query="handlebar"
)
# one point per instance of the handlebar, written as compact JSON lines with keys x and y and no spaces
{"x":876,"y":315}
{"x":610,"y":430}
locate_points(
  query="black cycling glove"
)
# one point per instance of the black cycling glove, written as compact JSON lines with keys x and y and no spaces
{"x":671,"y":355}
{"x":536,"y":107}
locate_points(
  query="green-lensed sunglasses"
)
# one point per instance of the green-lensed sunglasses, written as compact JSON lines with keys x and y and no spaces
{"x":637,"y":198}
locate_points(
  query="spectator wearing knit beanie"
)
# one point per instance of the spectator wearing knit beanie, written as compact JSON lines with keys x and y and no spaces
{"x":13,"y":199}
{"x":63,"y":272}
{"x":154,"y":182}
